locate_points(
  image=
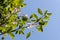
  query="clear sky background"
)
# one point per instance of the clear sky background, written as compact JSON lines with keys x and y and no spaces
{"x":52,"y":30}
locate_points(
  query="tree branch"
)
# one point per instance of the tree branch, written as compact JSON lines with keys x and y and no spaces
{"x":22,"y":27}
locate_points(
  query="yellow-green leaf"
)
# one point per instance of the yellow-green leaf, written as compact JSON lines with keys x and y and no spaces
{"x":40,"y":20}
{"x":40,"y":11}
{"x":49,"y":14}
{"x":11,"y":35}
{"x":45,"y":12}
{"x":17,"y":32}
{"x":28,"y":35}
{"x":46,"y":17}
{"x":22,"y":5}
{"x":45,"y":23}
{"x":39,"y":28}
{"x":34,"y":16}
{"x":22,"y":32}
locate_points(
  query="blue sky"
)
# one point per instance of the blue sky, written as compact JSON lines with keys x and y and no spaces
{"x":52,"y":30}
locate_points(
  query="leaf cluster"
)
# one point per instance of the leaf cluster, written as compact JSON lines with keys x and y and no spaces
{"x":10,"y":21}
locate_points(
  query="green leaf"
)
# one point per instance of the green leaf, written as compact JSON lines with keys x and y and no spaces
{"x":2,"y":29}
{"x":41,"y":23}
{"x":31,"y":16}
{"x":22,"y":32}
{"x":49,"y":14}
{"x":46,"y":17}
{"x":45,"y":12}
{"x":34,"y":16}
{"x":39,"y":28}
{"x":28,"y":35}
{"x":40,"y":20}
{"x":45,"y":23}
{"x":24,"y":18}
{"x":19,"y":32}
{"x":11,"y":35}
{"x":40,"y":11}
{"x":20,"y":26}
{"x":23,"y":29}
{"x":22,"y":5}
{"x":9,"y":29}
